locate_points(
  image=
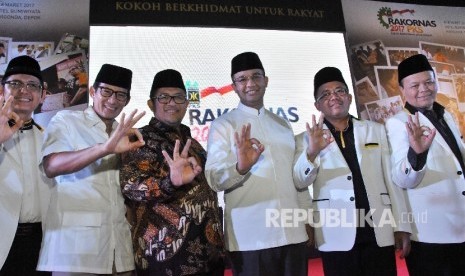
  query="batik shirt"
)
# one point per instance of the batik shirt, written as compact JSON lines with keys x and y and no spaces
{"x":176,"y":230}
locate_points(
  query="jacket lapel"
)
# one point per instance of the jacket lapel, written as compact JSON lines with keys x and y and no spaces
{"x":360,"y":136}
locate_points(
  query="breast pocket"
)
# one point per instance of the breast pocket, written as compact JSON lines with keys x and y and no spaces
{"x":385,"y":199}
{"x":80,"y":233}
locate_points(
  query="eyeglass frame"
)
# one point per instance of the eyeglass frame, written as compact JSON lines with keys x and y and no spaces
{"x":243,"y":80}
{"x":171,"y":98}
{"x":22,"y":85}
{"x":327,"y":93}
{"x":126,"y":94}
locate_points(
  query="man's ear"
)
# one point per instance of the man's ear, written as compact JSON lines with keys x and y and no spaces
{"x":151,"y":105}
{"x":127,"y":101}
{"x":92,"y":92}
{"x":42,"y":97}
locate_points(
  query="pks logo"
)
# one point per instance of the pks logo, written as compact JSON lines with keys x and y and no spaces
{"x":193,"y":94}
{"x":385,"y":15}
{"x":403,"y":21}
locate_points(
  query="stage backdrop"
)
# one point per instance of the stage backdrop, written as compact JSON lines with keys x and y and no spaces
{"x":56,"y":34}
{"x":294,"y":39}
{"x":382,"y":34}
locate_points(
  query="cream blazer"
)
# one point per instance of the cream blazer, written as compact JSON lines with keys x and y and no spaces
{"x":436,"y":193}
{"x":333,"y":191}
{"x":12,"y":182}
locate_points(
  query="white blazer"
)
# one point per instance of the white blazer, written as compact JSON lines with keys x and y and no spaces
{"x":333,"y":189}
{"x":436,"y":193}
{"x":12,"y":182}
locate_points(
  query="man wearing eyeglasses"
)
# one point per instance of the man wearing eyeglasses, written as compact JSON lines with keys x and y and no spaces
{"x":428,"y":162}
{"x":24,"y":189}
{"x":250,"y":158}
{"x":177,"y":228}
{"x":356,"y":207}
{"x":86,"y":230}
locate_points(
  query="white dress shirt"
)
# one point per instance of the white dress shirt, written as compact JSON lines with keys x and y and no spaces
{"x":268,"y":185}
{"x":86,"y":225}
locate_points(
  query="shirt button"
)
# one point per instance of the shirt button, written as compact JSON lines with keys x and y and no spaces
{"x":307,"y":171}
{"x":352,"y":198}
{"x":349,"y":177}
{"x":459,"y":173}
{"x":463,"y":193}
{"x":406,"y":171}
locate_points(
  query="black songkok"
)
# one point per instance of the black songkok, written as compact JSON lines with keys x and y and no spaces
{"x":412,"y":65}
{"x":245,"y":61}
{"x":167,"y":78}
{"x":326,"y":74}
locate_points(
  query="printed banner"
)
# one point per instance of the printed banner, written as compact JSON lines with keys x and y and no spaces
{"x":56,"y":34}
{"x":315,"y":15}
{"x":382,"y":34}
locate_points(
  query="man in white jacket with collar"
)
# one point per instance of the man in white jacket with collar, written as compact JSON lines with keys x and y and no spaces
{"x":250,"y":158}
{"x":356,"y":206}
{"x":24,"y":189}
{"x":428,"y":162}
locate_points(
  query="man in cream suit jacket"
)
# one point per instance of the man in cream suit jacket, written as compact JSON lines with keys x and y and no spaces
{"x":356,"y":208}
{"x":24,"y":189}
{"x":428,"y":161}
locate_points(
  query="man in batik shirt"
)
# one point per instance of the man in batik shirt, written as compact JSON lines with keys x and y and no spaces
{"x":176,"y":226}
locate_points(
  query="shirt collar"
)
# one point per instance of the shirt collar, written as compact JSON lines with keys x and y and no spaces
{"x":93,"y":119}
{"x":160,"y":126}
{"x":437,"y":108}
{"x":251,"y":110}
{"x":333,"y":129}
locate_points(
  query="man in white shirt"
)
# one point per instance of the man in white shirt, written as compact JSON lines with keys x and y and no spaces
{"x":87,"y":232}
{"x":256,"y":175}
{"x":356,"y":206}
{"x":428,"y":162}
{"x":24,"y":189}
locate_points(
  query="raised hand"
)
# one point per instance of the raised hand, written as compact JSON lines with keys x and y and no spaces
{"x":248,"y":150}
{"x":6,"y":114}
{"x":318,"y":138}
{"x":419,"y":137}
{"x":122,"y":139}
{"x":183,"y":169}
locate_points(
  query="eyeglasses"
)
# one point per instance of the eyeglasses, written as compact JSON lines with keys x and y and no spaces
{"x":107,"y":93}
{"x":165,"y":99}
{"x":17,"y":85}
{"x":340,"y":92}
{"x":428,"y":84}
{"x":244,"y":80}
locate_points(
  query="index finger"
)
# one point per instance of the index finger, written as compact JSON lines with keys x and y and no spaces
{"x":137,"y":133}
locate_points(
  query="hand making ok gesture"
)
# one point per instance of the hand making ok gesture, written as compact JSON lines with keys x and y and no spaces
{"x":419,"y":137}
{"x":183,"y":169}
{"x":248,"y":150}
{"x":6,"y":131}
{"x":318,"y":138}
